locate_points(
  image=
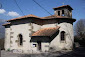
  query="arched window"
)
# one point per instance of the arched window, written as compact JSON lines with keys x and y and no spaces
{"x":20,"y":39}
{"x":62,"y":35}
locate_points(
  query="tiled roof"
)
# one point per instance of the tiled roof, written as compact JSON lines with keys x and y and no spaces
{"x":47,"y":17}
{"x":53,"y":16}
{"x":63,"y":6}
{"x":6,"y":24}
{"x":46,"y":31}
{"x":26,"y":16}
{"x":43,"y":18}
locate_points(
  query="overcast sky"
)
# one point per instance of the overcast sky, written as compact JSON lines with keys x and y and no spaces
{"x":10,"y":10}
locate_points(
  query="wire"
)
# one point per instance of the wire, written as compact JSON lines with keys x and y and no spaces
{"x":19,"y":7}
{"x":42,"y":7}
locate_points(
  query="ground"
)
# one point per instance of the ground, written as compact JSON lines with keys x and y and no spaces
{"x":78,"y":52}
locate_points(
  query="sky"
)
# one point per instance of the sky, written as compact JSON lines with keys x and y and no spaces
{"x":10,"y":10}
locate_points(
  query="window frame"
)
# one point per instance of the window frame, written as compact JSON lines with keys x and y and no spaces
{"x":20,"y":40}
{"x":62,"y":36}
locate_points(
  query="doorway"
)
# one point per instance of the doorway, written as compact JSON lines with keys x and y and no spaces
{"x":39,"y":45}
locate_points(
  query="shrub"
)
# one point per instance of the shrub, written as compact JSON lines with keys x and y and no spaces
{"x":8,"y":49}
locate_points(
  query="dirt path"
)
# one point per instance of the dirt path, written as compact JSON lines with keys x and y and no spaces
{"x":8,"y":54}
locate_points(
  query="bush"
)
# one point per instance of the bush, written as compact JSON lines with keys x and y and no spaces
{"x":81,"y":41}
{"x":8,"y":49}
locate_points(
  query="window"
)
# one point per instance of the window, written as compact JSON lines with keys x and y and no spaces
{"x":20,"y":39}
{"x":34,"y":45}
{"x":59,"y":13}
{"x":62,"y":36}
{"x":63,"y":13}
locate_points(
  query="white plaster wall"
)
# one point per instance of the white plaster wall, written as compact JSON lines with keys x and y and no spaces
{"x":7,"y":38}
{"x":48,"y":25}
{"x":45,"y":46}
{"x":68,"y":28}
{"x":55,"y":43}
{"x":34,"y":49}
{"x":36,"y":27}
{"x":68,"y":43}
{"x":24,"y":30}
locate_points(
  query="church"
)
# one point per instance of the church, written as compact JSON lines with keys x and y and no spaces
{"x":35,"y":34}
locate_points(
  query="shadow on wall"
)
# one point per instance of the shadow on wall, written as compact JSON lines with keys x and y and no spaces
{"x":54,"y":35}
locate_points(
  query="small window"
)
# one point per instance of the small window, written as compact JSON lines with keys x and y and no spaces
{"x":34,"y":45}
{"x":20,"y":39}
{"x":59,"y":13}
{"x":62,"y":36}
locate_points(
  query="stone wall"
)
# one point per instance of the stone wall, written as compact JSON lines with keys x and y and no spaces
{"x":7,"y":39}
{"x":69,"y":38}
{"x":67,"y":13}
{"x":26,"y":28}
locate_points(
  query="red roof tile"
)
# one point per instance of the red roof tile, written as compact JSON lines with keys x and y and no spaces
{"x":26,"y":16}
{"x":64,"y":6}
{"x":6,"y":24}
{"x":46,"y":31}
{"x":47,"y":17}
{"x":53,"y":16}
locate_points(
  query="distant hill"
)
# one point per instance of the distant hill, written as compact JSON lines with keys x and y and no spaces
{"x":2,"y":29}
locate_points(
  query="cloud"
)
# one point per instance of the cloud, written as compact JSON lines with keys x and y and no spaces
{"x":2,"y":11}
{"x":13,"y":14}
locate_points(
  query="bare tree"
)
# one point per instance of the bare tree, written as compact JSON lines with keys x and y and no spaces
{"x":79,"y":28}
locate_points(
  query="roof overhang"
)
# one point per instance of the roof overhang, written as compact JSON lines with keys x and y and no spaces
{"x":40,"y":38}
{"x":64,"y":6}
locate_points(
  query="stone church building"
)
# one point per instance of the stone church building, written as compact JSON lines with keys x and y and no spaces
{"x":31,"y":33}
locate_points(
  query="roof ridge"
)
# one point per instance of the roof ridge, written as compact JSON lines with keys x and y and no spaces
{"x":30,"y":15}
{"x":63,"y":6}
{"x":53,"y":16}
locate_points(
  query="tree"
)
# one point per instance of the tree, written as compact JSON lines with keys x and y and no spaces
{"x":79,"y":29}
